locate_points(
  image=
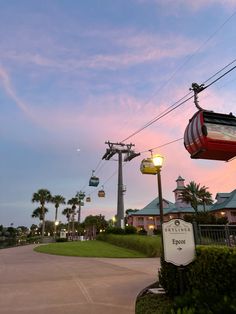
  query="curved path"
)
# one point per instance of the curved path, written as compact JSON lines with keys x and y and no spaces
{"x":33,"y":283}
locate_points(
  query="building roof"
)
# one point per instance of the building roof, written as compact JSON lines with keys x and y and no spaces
{"x":180,"y":179}
{"x":179,"y":188}
{"x":153,"y":208}
{"x":228,"y":202}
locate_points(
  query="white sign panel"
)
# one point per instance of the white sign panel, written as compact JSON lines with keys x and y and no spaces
{"x":62,"y":234}
{"x":178,"y":241}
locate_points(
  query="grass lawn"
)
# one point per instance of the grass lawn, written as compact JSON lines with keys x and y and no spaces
{"x":88,"y":249}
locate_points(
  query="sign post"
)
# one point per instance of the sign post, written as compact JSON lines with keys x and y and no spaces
{"x":179,"y":244}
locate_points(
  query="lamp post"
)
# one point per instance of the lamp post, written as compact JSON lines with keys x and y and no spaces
{"x":158,"y":162}
{"x":56,"y":223}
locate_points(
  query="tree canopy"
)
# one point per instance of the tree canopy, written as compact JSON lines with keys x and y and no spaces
{"x":195,"y":195}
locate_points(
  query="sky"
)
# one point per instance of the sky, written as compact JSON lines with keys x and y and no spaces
{"x":75,"y":74}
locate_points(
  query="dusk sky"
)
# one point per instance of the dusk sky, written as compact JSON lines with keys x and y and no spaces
{"x":74,"y":74}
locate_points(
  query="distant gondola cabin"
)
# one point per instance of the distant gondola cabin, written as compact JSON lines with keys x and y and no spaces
{"x":88,"y":199}
{"x":101,"y":193}
{"x":211,"y":135}
{"x":93,"y":181}
{"x":147,"y":166}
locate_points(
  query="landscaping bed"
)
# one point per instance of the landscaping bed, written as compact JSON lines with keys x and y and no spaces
{"x":208,"y":285}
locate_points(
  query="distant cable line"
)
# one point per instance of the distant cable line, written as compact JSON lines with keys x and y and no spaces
{"x":162,"y":145}
{"x":191,"y":56}
{"x":188,"y":59}
{"x":220,"y":77}
{"x":177,"y":104}
{"x":163,"y":114}
{"x":225,"y":67}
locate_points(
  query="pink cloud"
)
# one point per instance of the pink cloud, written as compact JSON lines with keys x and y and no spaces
{"x":7,"y":85}
{"x":134,"y":49}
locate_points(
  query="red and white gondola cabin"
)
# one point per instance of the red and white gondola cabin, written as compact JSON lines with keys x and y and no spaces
{"x":211,"y":135}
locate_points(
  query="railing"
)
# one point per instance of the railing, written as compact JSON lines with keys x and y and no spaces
{"x":215,"y":234}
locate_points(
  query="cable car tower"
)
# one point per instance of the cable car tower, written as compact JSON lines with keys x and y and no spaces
{"x":120,"y":149}
{"x":80,"y":196}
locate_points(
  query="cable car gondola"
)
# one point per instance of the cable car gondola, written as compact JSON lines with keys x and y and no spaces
{"x":93,"y":181}
{"x":210,"y":135}
{"x":88,"y":199}
{"x":101,"y":193}
{"x":147,"y":167}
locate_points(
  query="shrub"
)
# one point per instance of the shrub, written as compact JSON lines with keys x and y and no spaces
{"x":205,"y":218}
{"x":142,"y":232}
{"x":153,"y":304}
{"x":130,"y":230}
{"x":61,"y":240}
{"x":210,"y":280}
{"x":150,"y":246}
{"x":157,"y":231}
{"x":114,"y":230}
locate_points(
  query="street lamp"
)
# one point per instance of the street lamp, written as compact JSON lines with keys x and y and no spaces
{"x":113,"y":220}
{"x":56,"y":223}
{"x":158,"y":162}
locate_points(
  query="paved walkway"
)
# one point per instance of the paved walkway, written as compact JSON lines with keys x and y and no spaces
{"x":33,"y":283}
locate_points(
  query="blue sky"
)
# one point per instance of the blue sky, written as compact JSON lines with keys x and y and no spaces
{"x":74,"y":74}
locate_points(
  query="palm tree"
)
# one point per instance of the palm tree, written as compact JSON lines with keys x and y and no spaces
{"x":74,"y":201}
{"x":57,"y":200}
{"x":205,"y":197}
{"x":37,"y":213}
{"x":42,"y":196}
{"x":196,"y":195}
{"x":68,"y":212}
{"x":190,"y":195}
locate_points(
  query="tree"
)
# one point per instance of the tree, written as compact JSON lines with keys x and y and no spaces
{"x":49,"y":227}
{"x":42,"y":196}
{"x":33,"y":230}
{"x":23,"y":229}
{"x":68,"y":211}
{"x":205,"y":197}
{"x":129,"y":212}
{"x":195,"y":195}
{"x":37,"y":213}
{"x":74,"y":201}
{"x":93,"y":224}
{"x":57,"y":200}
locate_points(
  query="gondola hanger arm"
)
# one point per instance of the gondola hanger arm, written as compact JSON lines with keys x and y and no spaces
{"x":197,"y":89}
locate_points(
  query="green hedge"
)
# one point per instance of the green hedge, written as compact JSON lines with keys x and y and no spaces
{"x":209,"y":282}
{"x":150,"y":246}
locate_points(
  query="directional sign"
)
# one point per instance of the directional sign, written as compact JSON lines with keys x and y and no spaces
{"x":178,"y":240}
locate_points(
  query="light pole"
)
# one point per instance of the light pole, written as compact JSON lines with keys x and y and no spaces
{"x":56,"y":223}
{"x":158,"y":162}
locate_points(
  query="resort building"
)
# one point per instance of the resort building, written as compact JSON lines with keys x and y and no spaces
{"x":148,"y":218}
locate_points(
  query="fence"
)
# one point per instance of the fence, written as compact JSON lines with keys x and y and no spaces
{"x":215,"y":234}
